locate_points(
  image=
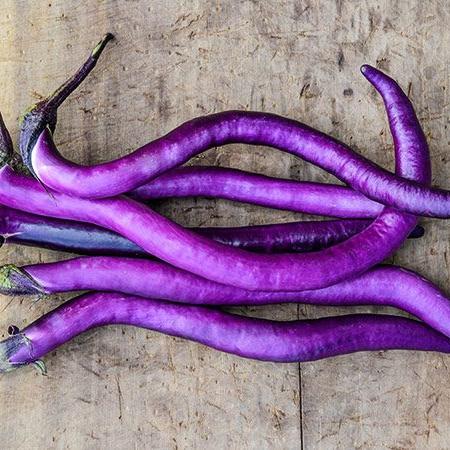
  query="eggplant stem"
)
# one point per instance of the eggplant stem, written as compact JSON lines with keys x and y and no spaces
{"x":98,"y":49}
{"x":57,"y":98}
{"x":44,"y":113}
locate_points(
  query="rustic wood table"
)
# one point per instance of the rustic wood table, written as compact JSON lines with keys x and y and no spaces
{"x":119,"y":387}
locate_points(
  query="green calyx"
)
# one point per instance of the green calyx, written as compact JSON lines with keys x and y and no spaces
{"x":8,"y":348}
{"x":40,"y":366}
{"x":14,"y":343}
{"x":15,"y":281}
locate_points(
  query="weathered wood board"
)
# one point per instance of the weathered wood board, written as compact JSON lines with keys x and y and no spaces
{"x":118,"y":387}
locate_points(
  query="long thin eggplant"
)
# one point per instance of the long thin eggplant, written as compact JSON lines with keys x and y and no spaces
{"x":382,"y":286}
{"x":237,"y":185}
{"x":19,"y":227}
{"x":184,"y":249}
{"x":306,"y":340}
{"x":198,"y":135}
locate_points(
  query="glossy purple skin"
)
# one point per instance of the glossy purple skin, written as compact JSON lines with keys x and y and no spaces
{"x":290,"y":237}
{"x":404,"y":126}
{"x":383,"y":286}
{"x":19,"y":227}
{"x":266,"y":340}
{"x":236,"y":185}
{"x":198,"y":135}
{"x":209,"y":259}
{"x":212,"y":260}
{"x":182,"y":248}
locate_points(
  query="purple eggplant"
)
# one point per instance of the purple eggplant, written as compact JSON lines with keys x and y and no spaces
{"x":198,"y":135}
{"x":237,"y":185}
{"x":184,"y":249}
{"x":382,"y":286}
{"x":19,"y":227}
{"x":305,"y":340}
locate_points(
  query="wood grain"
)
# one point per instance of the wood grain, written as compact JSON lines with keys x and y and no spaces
{"x":120,"y":387}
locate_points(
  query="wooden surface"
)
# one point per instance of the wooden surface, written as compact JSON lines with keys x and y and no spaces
{"x":120,"y":388}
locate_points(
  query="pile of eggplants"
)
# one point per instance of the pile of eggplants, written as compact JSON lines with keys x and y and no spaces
{"x":147,"y":271}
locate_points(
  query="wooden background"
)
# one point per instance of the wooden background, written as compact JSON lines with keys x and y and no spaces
{"x":120,"y":388}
